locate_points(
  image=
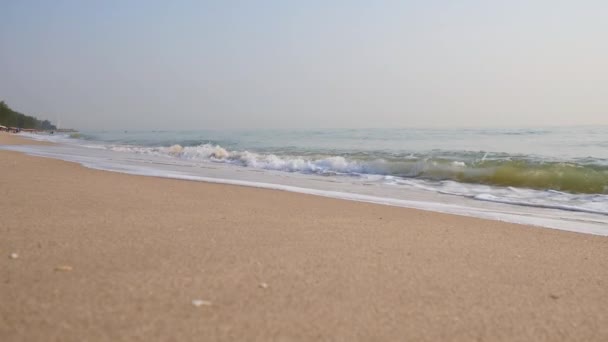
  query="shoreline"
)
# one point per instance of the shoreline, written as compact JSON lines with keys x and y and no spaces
{"x":536,"y":215}
{"x":104,"y":255}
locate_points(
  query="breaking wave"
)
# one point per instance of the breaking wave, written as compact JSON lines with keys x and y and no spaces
{"x":504,"y":171}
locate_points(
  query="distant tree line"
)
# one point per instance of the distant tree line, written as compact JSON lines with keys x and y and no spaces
{"x":11,"y":118}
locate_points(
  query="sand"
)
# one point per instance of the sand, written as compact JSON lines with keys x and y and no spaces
{"x":103,"y":256}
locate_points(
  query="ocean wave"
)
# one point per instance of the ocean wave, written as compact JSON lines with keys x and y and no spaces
{"x":505,"y":172}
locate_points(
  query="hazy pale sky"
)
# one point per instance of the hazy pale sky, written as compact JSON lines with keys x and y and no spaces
{"x":306,"y":64}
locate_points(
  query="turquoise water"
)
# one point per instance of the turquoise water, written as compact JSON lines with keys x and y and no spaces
{"x":573,"y":160}
{"x":569,"y":144}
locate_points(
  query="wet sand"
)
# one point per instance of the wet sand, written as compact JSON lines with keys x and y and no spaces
{"x":108,"y":256}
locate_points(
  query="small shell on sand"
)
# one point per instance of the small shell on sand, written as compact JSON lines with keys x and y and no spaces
{"x":263,"y":285}
{"x":200,"y":302}
{"x":13,"y":256}
{"x":63,"y":268}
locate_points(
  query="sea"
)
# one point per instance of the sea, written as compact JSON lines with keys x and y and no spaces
{"x":545,"y":177}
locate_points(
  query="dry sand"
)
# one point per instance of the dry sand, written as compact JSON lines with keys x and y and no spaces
{"x":108,"y":256}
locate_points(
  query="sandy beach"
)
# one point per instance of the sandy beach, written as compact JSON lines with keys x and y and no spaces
{"x":100,"y":256}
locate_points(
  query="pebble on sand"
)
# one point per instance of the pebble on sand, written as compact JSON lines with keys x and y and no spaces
{"x":63,"y":268}
{"x":200,"y":302}
{"x":264,"y":285}
{"x":13,"y":256}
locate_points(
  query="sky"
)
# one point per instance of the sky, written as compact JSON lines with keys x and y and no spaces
{"x":119,"y":64}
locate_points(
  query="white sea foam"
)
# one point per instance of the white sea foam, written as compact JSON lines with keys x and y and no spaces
{"x":215,"y":153}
